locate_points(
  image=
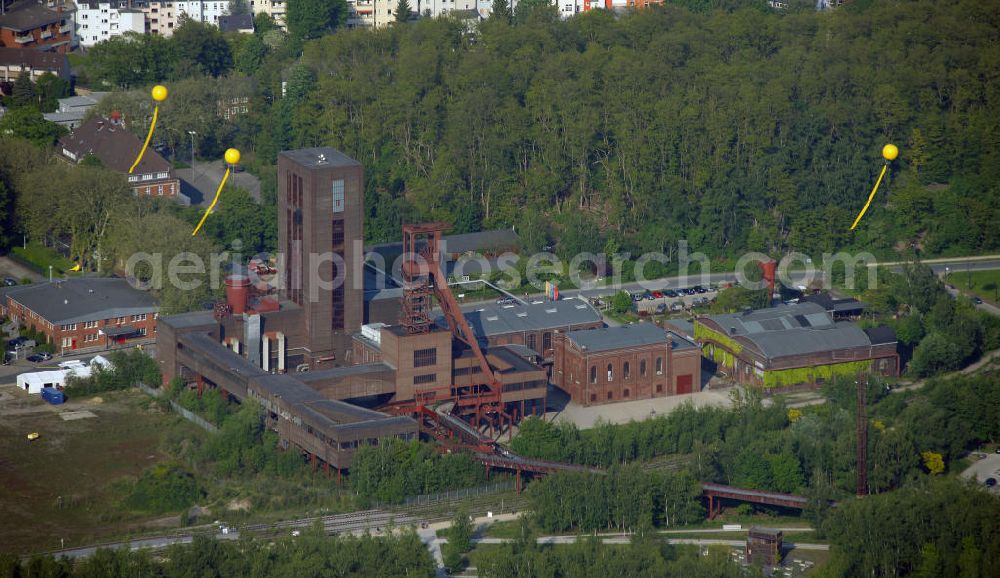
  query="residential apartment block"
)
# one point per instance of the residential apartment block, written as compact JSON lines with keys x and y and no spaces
{"x":82,"y":312}
{"x":97,"y":21}
{"x":36,"y":25}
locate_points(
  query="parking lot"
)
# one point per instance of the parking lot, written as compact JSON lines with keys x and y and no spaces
{"x":987,"y":466}
{"x":666,"y":300}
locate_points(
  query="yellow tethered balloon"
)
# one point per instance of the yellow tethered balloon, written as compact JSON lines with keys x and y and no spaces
{"x":159,"y":94}
{"x":232,"y":157}
{"x":889,"y":153}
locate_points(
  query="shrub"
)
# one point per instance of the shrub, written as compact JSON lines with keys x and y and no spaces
{"x":163,"y":488}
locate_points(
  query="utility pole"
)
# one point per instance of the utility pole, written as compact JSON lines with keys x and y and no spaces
{"x":862,"y":435}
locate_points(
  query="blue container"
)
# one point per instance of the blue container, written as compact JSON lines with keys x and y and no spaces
{"x":52,"y":395}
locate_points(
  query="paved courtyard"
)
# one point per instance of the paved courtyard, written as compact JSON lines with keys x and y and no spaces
{"x":638,"y":410}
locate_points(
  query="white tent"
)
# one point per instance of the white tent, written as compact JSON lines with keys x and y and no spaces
{"x":34,"y":382}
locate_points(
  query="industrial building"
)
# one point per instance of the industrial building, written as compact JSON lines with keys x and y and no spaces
{"x":341,"y":354}
{"x":317,"y":354}
{"x":794,"y":344}
{"x":637,"y":361}
{"x":533,"y":324}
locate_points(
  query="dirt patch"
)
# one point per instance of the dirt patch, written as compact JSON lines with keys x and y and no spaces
{"x":74,"y":415}
{"x":239,"y":505}
{"x":164,"y":522}
{"x":69,"y":483}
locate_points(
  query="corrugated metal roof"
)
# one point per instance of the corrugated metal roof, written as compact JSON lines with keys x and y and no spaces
{"x":534,"y":316}
{"x":804,"y":328}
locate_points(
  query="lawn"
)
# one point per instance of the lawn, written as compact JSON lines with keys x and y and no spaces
{"x":985,"y":284}
{"x":41,"y":257}
{"x":67,"y":484}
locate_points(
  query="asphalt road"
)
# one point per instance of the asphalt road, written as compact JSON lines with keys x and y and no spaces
{"x":988,"y":467}
{"x":201,"y":182}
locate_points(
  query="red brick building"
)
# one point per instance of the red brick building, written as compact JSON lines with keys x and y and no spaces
{"x":638,"y":361}
{"x":533,"y":325}
{"x":117,"y":148}
{"x":82,"y":312}
{"x":31,"y":25}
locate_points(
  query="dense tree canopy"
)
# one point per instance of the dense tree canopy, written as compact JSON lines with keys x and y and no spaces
{"x":396,"y":469}
{"x":941,"y":529}
{"x":311,"y":554}
{"x":748,"y":129}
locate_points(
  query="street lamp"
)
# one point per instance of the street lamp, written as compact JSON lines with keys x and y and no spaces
{"x":193,"y":134}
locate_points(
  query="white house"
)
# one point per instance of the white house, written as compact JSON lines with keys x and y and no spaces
{"x":202,"y":10}
{"x":34,"y":382}
{"x":99,"y":20}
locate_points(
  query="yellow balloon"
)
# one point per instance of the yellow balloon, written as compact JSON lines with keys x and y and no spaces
{"x":232,"y":156}
{"x":890,"y":152}
{"x":159,"y":93}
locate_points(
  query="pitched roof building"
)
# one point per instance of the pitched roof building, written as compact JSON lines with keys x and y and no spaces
{"x":794,"y":344}
{"x":238,"y":23}
{"x":29,"y":24}
{"x":117,"y":149}
{"x":82,"y":312}
{"x":13,"y":61}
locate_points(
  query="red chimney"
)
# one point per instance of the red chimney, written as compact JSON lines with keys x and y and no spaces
{"x":767,"y":268}
{"x":237,"y":290}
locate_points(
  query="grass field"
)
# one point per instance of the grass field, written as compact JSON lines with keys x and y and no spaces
{"x":68,"y":483}
{"x":41,"y":257}
{"x":985,"y":284}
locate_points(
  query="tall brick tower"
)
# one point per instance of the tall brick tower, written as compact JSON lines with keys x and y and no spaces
{"x":320,"y":216}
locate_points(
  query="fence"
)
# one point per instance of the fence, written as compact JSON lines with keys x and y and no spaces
{"x":484,"y":490}
{"x":185,"y":413}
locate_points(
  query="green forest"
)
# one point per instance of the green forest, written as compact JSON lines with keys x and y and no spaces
{"x":727,"y":125}
{"x":739,"y":129}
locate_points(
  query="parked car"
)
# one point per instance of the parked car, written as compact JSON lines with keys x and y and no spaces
{"x":661,"y":307}
{"x":670,"y":293}
{"x":977,"y":300}
{"x":677,"y":306}
{"x":9,"y":282}
{"x":13,"y":344}
{"x":657,"y":295}
{"x":990,"y":482}
{"x":636,"y":298}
